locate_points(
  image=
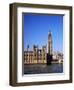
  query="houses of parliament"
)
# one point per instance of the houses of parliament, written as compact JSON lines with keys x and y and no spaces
{"x":37,"y":55}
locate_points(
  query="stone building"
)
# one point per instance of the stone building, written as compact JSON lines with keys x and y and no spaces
{"x":35,"y":56}
{"x":38,"y":55}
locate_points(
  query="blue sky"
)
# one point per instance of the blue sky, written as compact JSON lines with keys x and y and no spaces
{"x":36,"y":28}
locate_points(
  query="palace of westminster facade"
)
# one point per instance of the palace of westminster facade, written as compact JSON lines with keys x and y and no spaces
{"x":39,"y":55}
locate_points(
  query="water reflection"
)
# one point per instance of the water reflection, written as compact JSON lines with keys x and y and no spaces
{"x":43,"y":68}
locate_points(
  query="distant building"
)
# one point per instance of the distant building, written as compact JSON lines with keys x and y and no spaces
{"x":57,"y":57}
{"x":60,"y":57}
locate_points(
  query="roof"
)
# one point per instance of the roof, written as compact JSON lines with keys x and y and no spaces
{"x":28,"y":51}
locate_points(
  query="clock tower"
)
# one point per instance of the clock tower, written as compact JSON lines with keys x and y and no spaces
{"x":50,"y":43}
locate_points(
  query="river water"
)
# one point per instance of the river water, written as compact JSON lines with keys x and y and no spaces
{"x":43,"y":68}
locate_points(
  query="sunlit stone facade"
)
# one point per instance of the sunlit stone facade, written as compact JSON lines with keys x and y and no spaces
{"x":37,"y":55}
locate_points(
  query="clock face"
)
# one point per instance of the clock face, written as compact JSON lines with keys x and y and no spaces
{"x":50,"y":39}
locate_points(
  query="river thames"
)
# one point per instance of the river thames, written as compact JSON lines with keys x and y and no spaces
{"x":43,"y":68}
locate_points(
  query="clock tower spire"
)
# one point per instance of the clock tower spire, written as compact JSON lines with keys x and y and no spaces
{"x":50,"y":43}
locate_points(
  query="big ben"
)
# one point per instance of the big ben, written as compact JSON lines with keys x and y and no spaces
{"x":49,"y":54}
{"x":50,"y":43}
